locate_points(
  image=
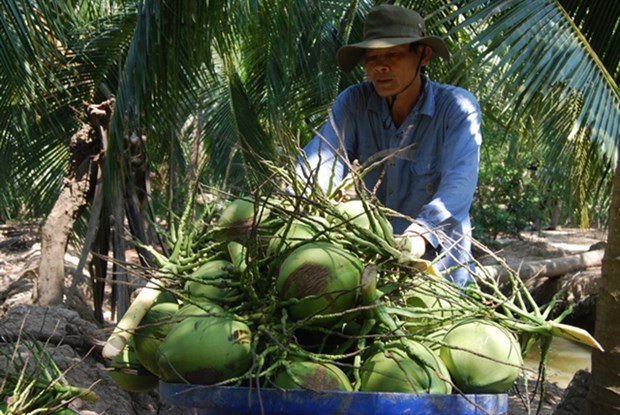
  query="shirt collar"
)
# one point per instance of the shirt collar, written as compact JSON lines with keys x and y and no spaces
{"x":425,"y":105}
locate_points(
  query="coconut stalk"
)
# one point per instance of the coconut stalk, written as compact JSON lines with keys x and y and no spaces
{"x":149,"y":293}
{"x":131,"y":319}
{"x":32,"y":383}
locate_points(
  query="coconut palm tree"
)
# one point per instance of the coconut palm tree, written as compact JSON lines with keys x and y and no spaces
{"x":240,"y":83}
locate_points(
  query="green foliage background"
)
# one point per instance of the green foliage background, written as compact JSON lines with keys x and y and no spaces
{"x":244,"y":83}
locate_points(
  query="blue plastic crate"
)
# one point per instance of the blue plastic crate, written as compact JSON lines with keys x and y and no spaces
{"x":207,"y":400}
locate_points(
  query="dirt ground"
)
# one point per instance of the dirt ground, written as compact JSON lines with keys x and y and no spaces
{"x":20,"y":254}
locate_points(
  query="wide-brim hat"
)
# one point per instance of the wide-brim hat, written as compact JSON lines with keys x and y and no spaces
{"x":386,"y":26}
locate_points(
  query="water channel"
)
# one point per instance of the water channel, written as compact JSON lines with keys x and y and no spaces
{"x":565,"y":358}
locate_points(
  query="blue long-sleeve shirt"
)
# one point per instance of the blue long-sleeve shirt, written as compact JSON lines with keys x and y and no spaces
{"x":426,"y":169}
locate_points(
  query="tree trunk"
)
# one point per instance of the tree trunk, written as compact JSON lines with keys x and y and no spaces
{"x":54,"y":235}
{"x":552,"y":267}
{"x":604,"y":391}
{"x":87,"y":148}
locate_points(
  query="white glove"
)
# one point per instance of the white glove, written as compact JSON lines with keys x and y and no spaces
{"x":412,"y":242}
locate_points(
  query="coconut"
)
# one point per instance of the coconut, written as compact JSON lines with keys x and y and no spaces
{"x":296,"y":232}
{"x":238,"y":218}
{"x":323,"y":276}
{"x":405,"y":366}
{"x":65,"y":411}
{"x":200,"y":308}
{"x":237,"y":253}
{"x":155,"y":325}
{"x":355,"y":212}
{"x":482,"y":356}
{"x":210,"y":281}
{"x":432,"y":303}
{"x":205,"y":350}
{"x":128,"y":372}
{"x":313,"y":376}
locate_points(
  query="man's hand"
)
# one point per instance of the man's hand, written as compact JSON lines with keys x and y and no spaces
{"x":412,"y":242}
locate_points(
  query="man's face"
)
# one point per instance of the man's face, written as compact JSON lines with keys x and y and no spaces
{"x":392,"y":69}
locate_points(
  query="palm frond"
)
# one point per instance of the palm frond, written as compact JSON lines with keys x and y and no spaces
{"x":542,"y":66}
{"x":46,"y":78}
{"x":602,"y":34}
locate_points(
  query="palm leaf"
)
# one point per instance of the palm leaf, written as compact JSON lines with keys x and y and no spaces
{"x":48,"y":74}
{"x":539,"y":54}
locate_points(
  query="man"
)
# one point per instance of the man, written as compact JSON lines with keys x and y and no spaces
{"x":417,"y":141}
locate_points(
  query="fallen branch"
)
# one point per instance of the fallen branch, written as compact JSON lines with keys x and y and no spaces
{"x":552,"y":267}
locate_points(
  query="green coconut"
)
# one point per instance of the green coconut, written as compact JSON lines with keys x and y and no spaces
{"x":237,"y":253}
{"x":405,"y":366}
{"x":65,"y":411}
{"x":155,"y":325}
{"x":313,"y":376}
{"x":200,"y":308}
{"x":165,"y":296}
{"x":238,"y":218}
{"x":128,"y":372}
{"x":211,"y":281}
{"x":294,"y":233}
{"x":323,"y":276}
{"x":363,"y":216}
{"x":205,"y":350}
{"x":432,"y":304}
{"x":482,"y":356}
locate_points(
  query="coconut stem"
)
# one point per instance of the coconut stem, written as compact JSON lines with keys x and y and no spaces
{"x":132,"y":318}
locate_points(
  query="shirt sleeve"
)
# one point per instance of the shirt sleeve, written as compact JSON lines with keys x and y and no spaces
{"x":323,"y":162}
{"x":459,"y":172}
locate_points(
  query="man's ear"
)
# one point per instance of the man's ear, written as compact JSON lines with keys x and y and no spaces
{"x":427,"y":54}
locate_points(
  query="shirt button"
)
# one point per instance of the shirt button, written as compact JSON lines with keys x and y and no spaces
{"x":430,"y":189}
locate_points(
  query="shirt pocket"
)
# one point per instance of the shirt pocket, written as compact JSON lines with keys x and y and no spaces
{"x":425,"y":172}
